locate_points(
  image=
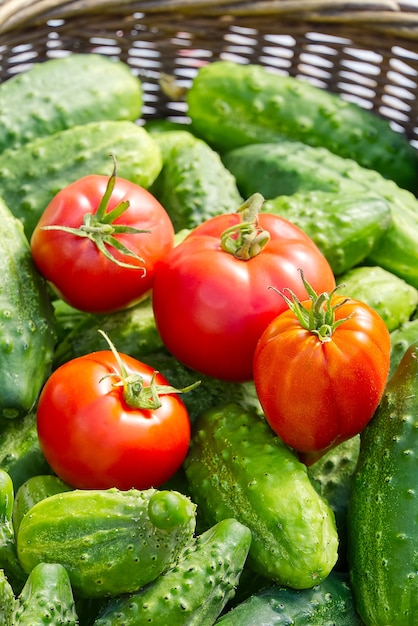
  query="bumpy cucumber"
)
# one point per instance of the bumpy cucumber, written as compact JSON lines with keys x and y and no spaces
{"x":393,"y":298}
{"x":237,"y":468}
{"x":30,"y":176}
{"x":328,"y":604}
{"x":20,"y":453}
{"x":34,"y":490}
{"x":344,"y":227}
{"x":26,"y":322}
{"x":383,"y":511}
{"x":110,"y":541}
{"x":9,"y":562}
{"x":233,"y":105}
{"x":287,"y":167}
{"x":195,"y":590}
{"x":400,"y":340}
{"x":132,"y":331}
{"x":61,"y":93}
{"x":46,"y":599}
{"x":194,"y":185}
{"x":7,"y":601}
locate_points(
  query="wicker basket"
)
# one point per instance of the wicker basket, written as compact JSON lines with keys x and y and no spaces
{"x":367,"y":51}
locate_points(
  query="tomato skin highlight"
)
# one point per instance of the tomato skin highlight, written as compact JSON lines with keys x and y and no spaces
{"x":93,"y":440}
{"x":317,"y":394}
{"x":211,"y":307}
{"x":78,"y":271}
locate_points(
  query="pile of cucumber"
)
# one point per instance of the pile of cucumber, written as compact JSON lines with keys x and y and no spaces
{"x":244,"y":534}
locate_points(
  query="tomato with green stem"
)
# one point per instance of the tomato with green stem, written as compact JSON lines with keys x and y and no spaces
{"x":99,"y":242}
{"x":320,"y":370}
{"x":107,"y":420}
{"x":211,"y":295}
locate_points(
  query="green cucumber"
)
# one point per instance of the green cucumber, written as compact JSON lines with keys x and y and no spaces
{"x":345,"y":227}
{"x":383,"y":511}
{"x":27,"y":334}
{"x":287,"y":167}
{"x":194,"y":185}
{"x":30,"y":176}
{"x":131,"y":330}
{"x":46,"y":598}
{"x":9,"y":562}
{"x":20,"y":453}
{"x":400,"y":340}
{"x":7,"y":601}
{"x":34,"y":490}
{"x":64,"y":92}
{"x":328,"y":604}
{"x":233,"y":104}
{"x":237,"y":468}
{"x":110,"y":541}
{"x":394,"y":299}
{"x":195,"y":590}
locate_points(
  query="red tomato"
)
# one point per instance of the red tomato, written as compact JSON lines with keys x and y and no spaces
{"x":77,"y":268}
{"x":93,"y":439}
{"x":211,"y":307}
{"x":317,"y":393}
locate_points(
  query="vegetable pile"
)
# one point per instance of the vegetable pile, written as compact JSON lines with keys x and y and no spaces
{"x":209,"y":348}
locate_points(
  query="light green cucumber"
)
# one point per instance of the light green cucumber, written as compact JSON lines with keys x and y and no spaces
{"x":9,"y":562}
{"x":383,"y":510}
{"x":237,"y":468}
{"x":64,"y":92}
{"x":46,"y":599}
{"x":110,"y":541}
{"x":27,"y":334}
{"x":7,"y":601}
{"x":234,"y":104}
{"x":195,"y":590}
{"x":345,"y":227}
{"x":394,"y":299}
{"x":30,"y":176}
{"x":194,"y":185}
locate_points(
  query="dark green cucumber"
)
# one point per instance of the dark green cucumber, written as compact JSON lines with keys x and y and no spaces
{"x":237,"y":468}
{"x":328,"y":604}
{"x":132,"y":331}
{"x":393,"y":298}
{"x":9,"y":562}
{"x":345,"y":227}
{"x":46,"y":599}
{"x":194,"y":185}
{"x":332,"y":475}
{"x":400,"y":340}
{"x":30,"y":176}
{"x":111,"y":542}
{"x":63,"y":92}
{"x":34,"y":490}
{"x":383,"y":511}
{"x":233,"y":104}
{"x":195,"y":590}
{"x":211,"y":392}
{"x":20,"y":453}
{"x":27,"y":335}
{"x":287,"y":167}
{"x":7,"y":601}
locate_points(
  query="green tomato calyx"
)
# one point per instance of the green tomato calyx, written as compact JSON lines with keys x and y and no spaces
{"x":100,"y":228}
{"x":319,"y":318}
{"x":136,"y":394}
{"x":246,"y":239}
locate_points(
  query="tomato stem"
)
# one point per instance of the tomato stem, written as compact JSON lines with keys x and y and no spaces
{"x":100,"y":229}
{"x":319,"y":319}
{"x":246,"y":239}
{"x":136,"y":394}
